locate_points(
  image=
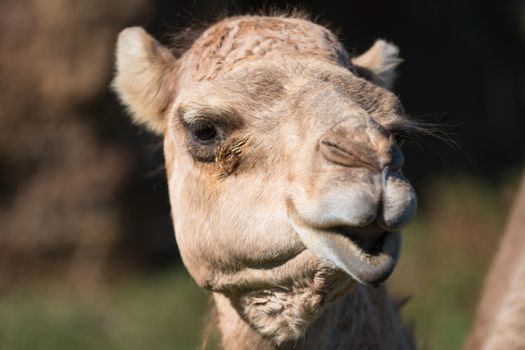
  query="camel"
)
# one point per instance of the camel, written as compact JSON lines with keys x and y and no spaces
{"x":284,"y":174}
{"x":500,"y":320}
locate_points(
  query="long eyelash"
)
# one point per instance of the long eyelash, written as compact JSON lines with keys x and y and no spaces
{"x":411,"y":129}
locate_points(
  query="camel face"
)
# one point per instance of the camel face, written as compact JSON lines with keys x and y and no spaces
{"x":272,"y":159}
{"x":283,"y":170}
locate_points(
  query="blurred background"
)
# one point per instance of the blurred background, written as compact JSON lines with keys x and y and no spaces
{"x":87,"y":254}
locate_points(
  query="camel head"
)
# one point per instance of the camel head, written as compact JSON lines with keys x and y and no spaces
{"x":285,"y":179}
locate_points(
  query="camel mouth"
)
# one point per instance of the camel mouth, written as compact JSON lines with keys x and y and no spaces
{"x":368,"y":257}
{"x":370,"y":243}
{"x":369,"y":260}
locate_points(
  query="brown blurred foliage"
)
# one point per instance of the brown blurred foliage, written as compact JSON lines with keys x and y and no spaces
{"x":58,"y":178}
{"x":76,"y":196}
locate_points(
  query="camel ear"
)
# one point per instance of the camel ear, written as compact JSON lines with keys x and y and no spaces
{"x":380,"y":62}
{"x":144,"y":78}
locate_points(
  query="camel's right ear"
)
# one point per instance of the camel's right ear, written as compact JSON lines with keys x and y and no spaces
{"x":144,"y":79}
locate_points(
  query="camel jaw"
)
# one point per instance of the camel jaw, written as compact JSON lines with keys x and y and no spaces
{"x":367,"y":263}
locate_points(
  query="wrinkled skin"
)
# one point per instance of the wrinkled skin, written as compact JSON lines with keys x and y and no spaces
{"x":284,"y":175}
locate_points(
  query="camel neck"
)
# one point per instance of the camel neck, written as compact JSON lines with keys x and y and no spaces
{"x":366,"y":318}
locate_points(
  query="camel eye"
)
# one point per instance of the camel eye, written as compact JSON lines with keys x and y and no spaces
{"x":204,"y":131}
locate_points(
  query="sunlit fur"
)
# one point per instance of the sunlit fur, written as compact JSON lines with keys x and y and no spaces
{"x":500,"y":319}
{"x":317,"y":152}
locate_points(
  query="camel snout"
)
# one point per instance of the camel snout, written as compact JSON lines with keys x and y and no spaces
{"x":399,"y":201}
{"x":362,"y":147}
{"x":382,"y":196}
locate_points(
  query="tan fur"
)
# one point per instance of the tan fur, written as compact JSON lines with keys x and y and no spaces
{"x":500,"y":320}
{"x":144,"y":77}
{"x":366,"y":318}
{"x":303,"y":148}
{"x":381,"y":59}
{"x":230,"y":154}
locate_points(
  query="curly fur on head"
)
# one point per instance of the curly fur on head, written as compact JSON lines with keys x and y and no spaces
{"x":181,"y":40}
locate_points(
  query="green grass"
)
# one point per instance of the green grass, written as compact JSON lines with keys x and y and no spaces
{"x":446,"y":253}
{"x":161,"y":312}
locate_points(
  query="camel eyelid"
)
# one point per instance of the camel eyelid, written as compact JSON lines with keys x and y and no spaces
{"x":226,"y":119}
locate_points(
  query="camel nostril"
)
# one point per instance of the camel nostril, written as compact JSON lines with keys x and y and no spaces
{"x":342,"y":150}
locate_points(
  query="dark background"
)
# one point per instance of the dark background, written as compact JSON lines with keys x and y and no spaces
{"x":463,"y":70}
{"x":83,"y":199}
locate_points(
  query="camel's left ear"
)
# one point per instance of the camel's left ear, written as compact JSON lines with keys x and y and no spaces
{"x":379,"y":62}
{"x":145,"y":76}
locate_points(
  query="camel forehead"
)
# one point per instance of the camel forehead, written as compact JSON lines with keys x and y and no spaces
{"x":299,"y":84}
{"x":235,"y":95}
{"x":227,"y":43}
{"x":262,"y":60}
